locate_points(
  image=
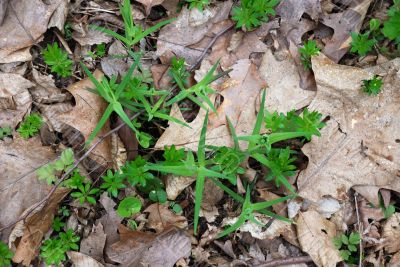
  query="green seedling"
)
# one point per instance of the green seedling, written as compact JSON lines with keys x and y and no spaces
{"x":113,"y":182}
{"x":158,"y":196}
{"x":99,"y":51}
{"x":5,"y":132}
{"x":128,"y":207}
{"x":347,"y":246}
{"x":309,"y":49}
{"x":391,"y":27}
{"x":30,"y":126}
{"x":251,"y":13}
{"x":86,"y":193}
{"x":361,"y":43}
{"x":387,"y":211}
{"x":176,"y":207}
{"x":68,"y":31}
{"x":136,"y":172}
{"x":178,"y":72}
{"x":74,"y":181}
{"x":372,"y":86}
{"x":49,"y":171}
{"x":5,"y":255}
{"x":58,"y":224}
{"x":58,"y":60}
{"x":64,"y":211}
{"x":133,"y":33}
{"x":53,"y":249}
{"x":199,"y":4}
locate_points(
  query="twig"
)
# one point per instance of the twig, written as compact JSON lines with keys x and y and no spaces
{"x":67,"y":173}
{"x":359,"y":229}
{"x":286,"y":261}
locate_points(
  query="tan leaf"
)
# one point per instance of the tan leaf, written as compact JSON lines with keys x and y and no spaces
{"x":391,"y":234}
{"x":160,"y":217}
{"x":150,"y":3}
{"x":358,"y":145}
{"x":176,"y":184}
{"x":315,"y":235}
{"x":148,"y":249}
{"x":110,"y":220}
{"x":244,"y":86}
{"x":36,"y":226}
{"x":93,"y":245}
{"x":82,"y":260}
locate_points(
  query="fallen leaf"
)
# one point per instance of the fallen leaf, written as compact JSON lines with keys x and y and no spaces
{"x":176,"y":184}
{"x":60,"y":15}
{"x":358,"y":144}
{"x":23,"y":25}
{"x":391,"y":234}
{"x":36,"y":226}
{"x":148,"y":249}
{"x":15,"y":100}
{"x":244,"y":86}
{"x":19,"y":186}
{"x":93,"y":245}
{"x":315,"y":235}
{"x":45,"y":91}
{"x":149,"y":4}
{"x":110,"y":220}
{"x":292,"y":10}
{"x":91,"y":37}
{"x":160,"y":217}
{"x":82,"y":260}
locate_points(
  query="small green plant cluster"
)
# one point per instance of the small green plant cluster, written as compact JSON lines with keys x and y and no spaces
{"x":372,"y":86}
{"x":30,"y":126}
{"x":387,"y":211}
{"x":251,"y":13}
{"x":309,"y":49}
{"x":199,"y":4}
{"x":5,"y":131}
{"x":5,"y":255}
{"x":98,"y":52}
{"x":363,"y":43}
{"x":58,"y":60}
{"x":53,"y":249}
{"x":347,"y":246}
{"x":51,"y":171}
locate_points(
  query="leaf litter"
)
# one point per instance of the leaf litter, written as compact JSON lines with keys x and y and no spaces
{"x":346,"y":178}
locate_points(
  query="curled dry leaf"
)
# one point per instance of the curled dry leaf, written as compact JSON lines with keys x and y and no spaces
{"x":358,"y":144}
{"x":45,"y":91}
{"x":36,"y":226}
{"x":82,"y":260}
{"x":315,"y":235}
{"x":60,"y":15}
{"x":160,"y":217}
{"x":244,"y":86}
{"x":19,"y":186}
{"x":150,"y":3}
{"x":148,"y":249}
{"x":23,"y":25}
{"x":391,"y":234}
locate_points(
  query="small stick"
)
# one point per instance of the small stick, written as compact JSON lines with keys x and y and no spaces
{"x":286,"y":261}
{"x":359,"y":228}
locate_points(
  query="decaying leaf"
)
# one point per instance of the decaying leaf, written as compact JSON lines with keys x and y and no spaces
{"x":110,"y":220}
{"x":23,"y":25}
{"x":358,"y":145}
{"x":160,"y":217}
{"x":244,"y":86}
{"x":93,"y":245}
{"x":90,"y":37}
{"x":176,"y":184}
{"x":19,"y":186}
{"x":36,"y":226}
{"x":147,"y":249}
{"x":82,"y":260}
{"x":391,"y":234}
{"x":45,"y":91}
{"x":315,"y":235}
{"x":150,"y":3}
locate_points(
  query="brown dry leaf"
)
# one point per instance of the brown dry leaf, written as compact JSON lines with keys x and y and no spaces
{"x":19,"y":186}
{"x":82,"y":260}
{"x":292,"y":10}
{"x":110,"y":220}
{"x":244,"y":86}
{"x":36,"y":226}
{"x":91,"y":37}
{"x":182,"y":36}
{"x":160,"y":218}
{"x":15,"y":100}
{"x":343,"y":23}
{"x":45,"y":91}
{"x":93,"y":245}
{"x":315,"y":235}
{"x":23,"y":25}
{"x":149,"y":4}
{"x":85,"y":115}
{"x":358,"y":144}
{"x":60,"y":15}
{"x":391,"y":234}
{"x":176,"y":184}
{"x":147,"y":249}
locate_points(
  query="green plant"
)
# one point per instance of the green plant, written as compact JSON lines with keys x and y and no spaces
{"x":178,"y":72}
{"x":391,"y":27}
{"x":5,"y":131}
{"x":5,"y":255}
{"x":372,"y":86}
{"x":58,"y":224}
{"x":199,"y":4}
{"x":361,"y":43}
{"x":74,"y":181}
{"x":113,"y":182}
{"x":347,"y":246}
{"x":136,"y":172}
{"x":49,"y":171}
{"x":99,"y":51}
{"x":133,"y":33}
{"x":53,"y":249}
{"x":129,"y":206}
{"x":58,"y":60}
{"x":158,"y":195}
{"x":30,"y":126}
{"x":251,"y":13}
{"x":176,"y":207}
{"x":86,"y":193}
{"x":63,"y":211}
{"x":387,"y":211}
{"x":309,"y":49}
{"x":68,"y":31}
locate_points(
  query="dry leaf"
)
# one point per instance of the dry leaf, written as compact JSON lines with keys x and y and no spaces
{"x":60,"y":15}
{"x":147,"y":249}
{"x":391,"y":234}
{"x":19,"y":186}
{"x":91,"y":37}
{"x":358,"y":144}
{"x":45,"y":91}
{"x":160,"y":217}
{"x":36,"y":226}
{"x":315,"y":235}
{"x":82,"y":260}
{"x":244,"y":86}
{"x":93,"y":245}
{"x":176,"y":184}
{"x":15,"y":100}
{"x":149,"y":4}
{"x":110,"y":220}
{"x":23,"y":25}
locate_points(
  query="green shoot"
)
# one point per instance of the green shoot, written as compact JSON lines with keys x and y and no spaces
{"x":99,"y":51}
{"x":158,"y":195}
{"x":347,"y":246}
{"x":178,"y":72}
{"x":58,"y":60}
{"x":361,"y":43}
{"x":199,"y":4}
{"x":391,"y":27}
{"x":49,"y":171}
{"x":5,"y":255}
{"x":58,"y":224}
{"x":113,"y":182}
{"x":129,"y":206}
{"x":86,"y":193}
{"x":30,"y":126}
{"x":372,"y":86}
{"x":5,"y":132}
{"x":387,"y":211}
{"x":309,"y":49}
{"x":251,"y":13}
